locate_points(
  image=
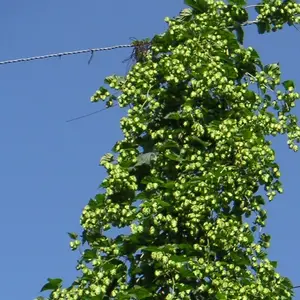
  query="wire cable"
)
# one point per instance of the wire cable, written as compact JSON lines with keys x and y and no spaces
{"x":60,"y":54}
{"x":90,"y":114}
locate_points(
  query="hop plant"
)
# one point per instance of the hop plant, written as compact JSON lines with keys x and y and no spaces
{"x":187,"y":173}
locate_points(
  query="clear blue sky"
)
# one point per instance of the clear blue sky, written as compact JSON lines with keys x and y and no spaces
{"x":49,"y":168}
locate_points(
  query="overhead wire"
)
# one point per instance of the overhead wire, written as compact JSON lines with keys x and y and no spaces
{"x":89,"y":114}
{"x":296,"y":287}
{"x":60,"y":54}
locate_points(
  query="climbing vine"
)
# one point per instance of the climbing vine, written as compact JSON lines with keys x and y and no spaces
{"x":186,"y":175}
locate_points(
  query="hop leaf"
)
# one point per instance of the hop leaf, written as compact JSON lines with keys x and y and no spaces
{"x":145,"y":159}
{"x":52,"y":284}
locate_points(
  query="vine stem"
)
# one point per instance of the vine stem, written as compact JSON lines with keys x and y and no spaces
{"x":253,"y":5}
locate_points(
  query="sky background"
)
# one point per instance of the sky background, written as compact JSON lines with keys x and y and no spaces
{"x":49,"y":168}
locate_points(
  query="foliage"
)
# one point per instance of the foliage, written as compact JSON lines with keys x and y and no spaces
{"x":202,"y":107}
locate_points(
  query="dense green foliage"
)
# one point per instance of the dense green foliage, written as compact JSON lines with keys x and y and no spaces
{"x":186,"y":176}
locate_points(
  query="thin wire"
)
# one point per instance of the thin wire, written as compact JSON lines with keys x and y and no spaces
{"x":90,"y":114}
{"x":91,"y":57}
{"x":92,"y":51}
{"x":296,"y":287}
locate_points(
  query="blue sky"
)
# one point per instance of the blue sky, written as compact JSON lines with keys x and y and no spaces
{"x":49,"y":168}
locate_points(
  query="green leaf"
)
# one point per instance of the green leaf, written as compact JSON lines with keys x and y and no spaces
{"x":239,"y":259}
{"x":169,"y":184}
{"x":214,"y":124}
{"x":271,"y":67}
{"x":194,"y":181}
{"x":258,"y":8}
{"x":221,"y":296}
{"x":163,"y":203}
{"x":84,"y":237}
{"x":112,"y":264}
{"x":142,"y":196}
{"x":169,"y":248}
{"x":103,"y":185}
{"x":100,"y":198}
{"x":288,"y":83}
{"x":173,"y":156}
{"x":73,"y":235}
{"x":53,"y":284}
{"x":262,"y":27}
{"x":260,"y":200}
{"x":184,"y":287}
{"x":173,"y":116}
{"x":239,"y":15}
{"x":130,"y":245}
{"x":151,"y":179}
{"x":186,"y":247}
{"x":119,"y":239}
{"x":201,"y":6}
{"x":250,"y":96}
{"x":198,"y":6}
{"x":118,"y":79}
{"x":247,"y":134}
{"x":124,"y":145}
{"x":185,"y":15}
{"x":190,"y":3}
{"x":89,"y":255}
{"x":256,"y":58}
{"x":145,"y":159}
{"x":126,"y":164}
{"x":238,"y":2}
{"x":240,"y":34}
{"x":170,"y":144}
{"x":178,"y":258}
{"x":107,"y":158}
{"x":230,"y":71}
{"x":274,"y":263}
{"x":139,"y":292}
{"x":186,"y":273}
{"x":152,"y":249}
{"x":250,"y":237}
{"x":197,"y":140}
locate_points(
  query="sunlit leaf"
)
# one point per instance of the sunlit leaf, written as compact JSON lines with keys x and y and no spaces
{"x":173,"y":116}
{"x":52,"y":284}
{"x":73,"y":235}
{"x":288,"y":84}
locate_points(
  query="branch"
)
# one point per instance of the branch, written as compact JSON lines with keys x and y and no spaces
{"x":253,"y":5}
{"x":249,"y":23}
